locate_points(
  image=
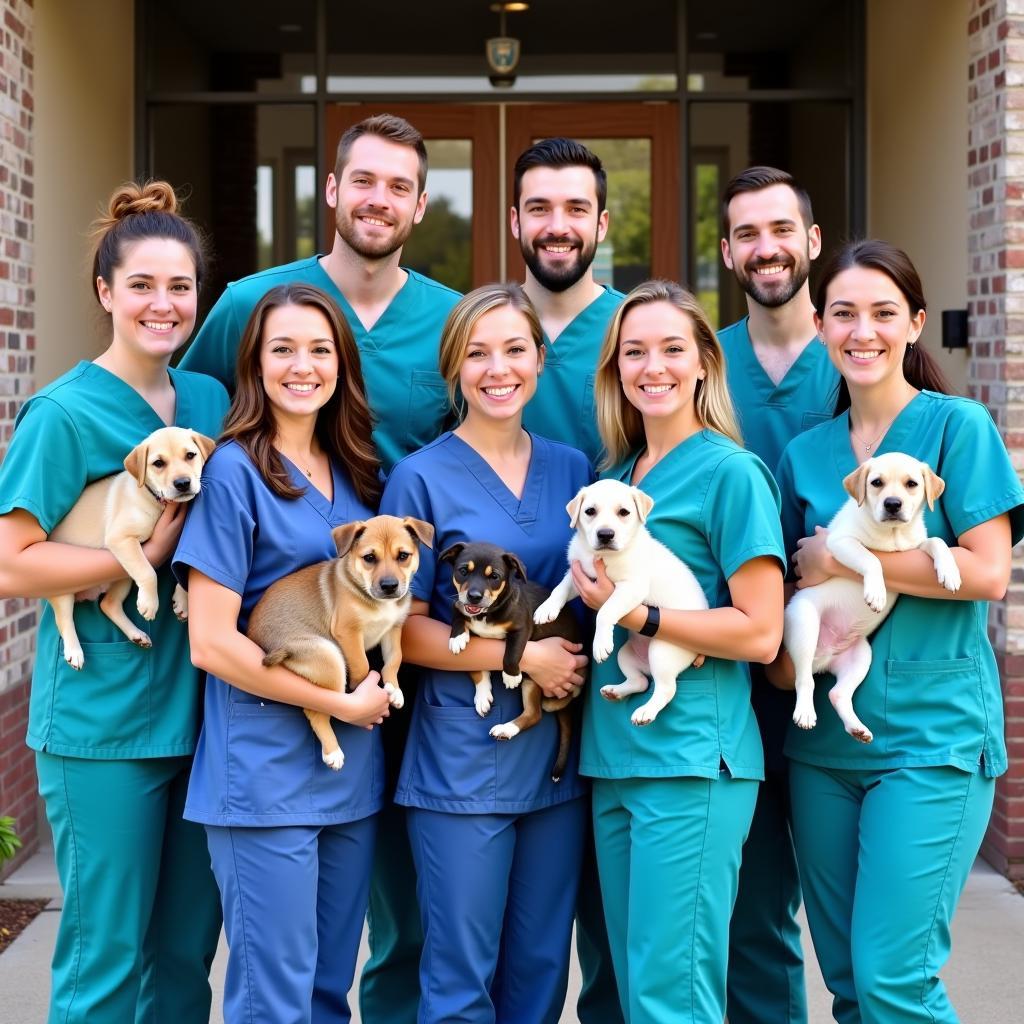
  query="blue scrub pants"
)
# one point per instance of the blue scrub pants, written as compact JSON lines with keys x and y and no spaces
{"x":141,"y":919}
{"x":294,"y":902}
{"x":884,"y":856}
{"x":497,"y":894}
{"x":668,"y":850}
{"x":766,"y":960}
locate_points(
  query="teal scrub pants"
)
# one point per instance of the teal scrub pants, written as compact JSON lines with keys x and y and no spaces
{"x":668,"y":851}
{"x":141,"y":915}
{"x":884,"y":856}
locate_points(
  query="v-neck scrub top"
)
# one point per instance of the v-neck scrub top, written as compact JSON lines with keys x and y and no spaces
{"x":772,"y":414}
{"x":451,"y":762}
{"x":126,"y":702}
{"x":932,"y":695}
{"x":258,"y":762}
{"x":563,"y":407}
{"x":407,"y":393}
{"x":716,"y":507}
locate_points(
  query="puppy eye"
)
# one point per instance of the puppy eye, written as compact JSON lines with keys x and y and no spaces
{"x":190,"y":455}
{"x":877,"y":482}
{"x":590,"y":511}
{"x":403,"y":556}
{"x":911,"y":484}
{"x":463,"y":571}
{"x":493,"y":576}
{"x":159,"y":463}
{"x":623,"y":513}
{"x":369,"y":558}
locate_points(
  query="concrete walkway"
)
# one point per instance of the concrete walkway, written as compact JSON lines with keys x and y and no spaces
{"x":984,"y":976}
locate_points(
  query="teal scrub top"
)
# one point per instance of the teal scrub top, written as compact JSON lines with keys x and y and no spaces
{"x":932,"y":695}
{"x":770,"y":414}
{"x":125,"y":702}
{"x":407,"y":393}
{"x":716,"y":506}
{"x":563,"y":407}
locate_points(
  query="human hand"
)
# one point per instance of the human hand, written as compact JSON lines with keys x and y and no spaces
{"x":555,"y":665}
{"x":164,"y":540}
{"x":593,"y":592}
{"x":367,"y":705}
{"x":813,"y":561}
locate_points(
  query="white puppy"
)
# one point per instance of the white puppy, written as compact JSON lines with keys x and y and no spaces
{"x":827,"y":626}
{"x":609,"y":518}
{"x":119,"y":512}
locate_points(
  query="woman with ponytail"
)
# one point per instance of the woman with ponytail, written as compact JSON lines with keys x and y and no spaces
{"x":886,"y":831}
{"x":114,"y":740}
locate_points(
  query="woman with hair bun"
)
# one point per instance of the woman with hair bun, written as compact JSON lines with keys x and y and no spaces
{"x":114,"y":741}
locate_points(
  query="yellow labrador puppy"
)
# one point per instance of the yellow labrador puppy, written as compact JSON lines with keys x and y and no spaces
{"x":119,"y":512}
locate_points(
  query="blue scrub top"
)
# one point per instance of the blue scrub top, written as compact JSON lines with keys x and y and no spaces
{"x":563,"y":407}
{"x":407,"y":393}
{"x":932,"y":695}
{"x":451,"y":762}
{"x":770,"y":414}
{"x":716,"y":507}
{"x":126,"y":702}
{"x":258,"y":762}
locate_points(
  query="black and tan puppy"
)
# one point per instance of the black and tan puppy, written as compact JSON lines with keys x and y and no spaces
{"x":496,"y":600}
{"x":321,"y":620}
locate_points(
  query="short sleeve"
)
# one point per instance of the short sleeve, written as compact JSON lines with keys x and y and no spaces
{"x":406,"y":494}
{"x":981,"y":482}
{"x":218,"y":537}
{"x":46,"y":466}
{"x":741,"y":513}
{"x":792,"y":514}
{"x":215,"y":348}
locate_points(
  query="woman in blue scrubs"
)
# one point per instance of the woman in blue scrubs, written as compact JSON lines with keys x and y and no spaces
{"x":497,"y":843}
{"x":114,"y":740}
{"x":291,"y":840}
{"x":673,"y":800}
{"x":886,"y":832}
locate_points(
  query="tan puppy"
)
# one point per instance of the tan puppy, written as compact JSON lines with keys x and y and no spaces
{"x":320,"y":621}
{"x":119,"y":512}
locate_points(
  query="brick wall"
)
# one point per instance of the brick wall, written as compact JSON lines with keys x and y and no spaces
{"x":996,"y":312}
{"x":17,"y":364}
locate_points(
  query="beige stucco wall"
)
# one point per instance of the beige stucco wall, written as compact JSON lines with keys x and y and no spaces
{"x":83,"y":148}
{"x":917,"y":60}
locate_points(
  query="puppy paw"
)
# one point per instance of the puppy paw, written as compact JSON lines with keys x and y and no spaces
{"x":334,"y":760}
{"x":457,"y":644}
{"x":645,"y":714}
{"x":395,"y":696}
{"x":148,"y":605}
{"x":603,"y":644}
{"x":483,"y":700}
{"x":874,"y":594}
{"x":547,"y":612}
{"x":861,"y":733}
{"x":511,"y":681}
{"x":805,"y":716}
{"x":74,"y":656}
{"x":505,"y":731}
{"x":140,"y":639}
{"x":948,"y":573}
{"x":179,"y":602}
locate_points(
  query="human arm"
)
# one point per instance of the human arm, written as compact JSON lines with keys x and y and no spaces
{"x":220,"y":649}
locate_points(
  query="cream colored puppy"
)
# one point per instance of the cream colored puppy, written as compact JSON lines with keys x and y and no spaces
{"x":827,"y":626}
{"x":609,"y":519}
{"x":119,"y":512}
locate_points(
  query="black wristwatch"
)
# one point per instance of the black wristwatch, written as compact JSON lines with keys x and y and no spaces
{"x":650,"y":627}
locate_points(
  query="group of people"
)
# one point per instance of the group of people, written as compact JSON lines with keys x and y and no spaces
{"x":680,"y":849}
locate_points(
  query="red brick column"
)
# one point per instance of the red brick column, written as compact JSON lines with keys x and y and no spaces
{"x":996,"y":317}
{"x":17,"y":365}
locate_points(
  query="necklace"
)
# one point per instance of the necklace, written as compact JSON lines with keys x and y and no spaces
{"x":292,"y":458}
{"x":868,"y":445}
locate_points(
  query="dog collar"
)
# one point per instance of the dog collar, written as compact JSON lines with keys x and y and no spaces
{"x":160,"y":501}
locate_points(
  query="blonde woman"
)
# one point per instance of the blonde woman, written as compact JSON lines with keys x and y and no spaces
{"x":673,"y":800}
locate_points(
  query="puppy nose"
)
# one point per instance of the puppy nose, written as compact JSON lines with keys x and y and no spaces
{"x":388,"y":584}
{"x":182,"y":483}
{"x":475,"y":596}
{"x":892,"y":504}
{"x":605,"y":535}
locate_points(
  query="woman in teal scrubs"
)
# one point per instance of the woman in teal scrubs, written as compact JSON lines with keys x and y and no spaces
{"x":114,"y":741}
{"x":886,"y":832}
{"x":673,"y":801}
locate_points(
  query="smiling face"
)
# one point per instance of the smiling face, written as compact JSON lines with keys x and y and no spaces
{"x":659,"y":363}
{"x":867,"y":325}
{"x":298,"y":361}
{"x":769,"y":247}
{"x":499,"y":370}
{"x":558,"y":224}
{"x":375,"y":197}
{"x":152,"y":297}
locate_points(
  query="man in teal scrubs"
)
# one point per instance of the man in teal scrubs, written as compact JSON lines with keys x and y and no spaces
{"x":559,"y":216}
{"x":781,"y":382}
{"x":396,"y":315}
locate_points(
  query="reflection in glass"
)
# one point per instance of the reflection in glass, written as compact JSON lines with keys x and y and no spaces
{"x":304,"y":198}
{"x":264,"y":215}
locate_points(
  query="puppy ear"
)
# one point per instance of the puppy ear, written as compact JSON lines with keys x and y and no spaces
{"x":934,"y":485}
{"x":135,"y":462}
{"x":450,"y":554}
{"x":346,"y":535}
{"x":515,"y":566}
{"x":644,"y":503}
{"x":856,"y":484}
{"x":423,"y":532}
{"x":204,"y":444}
{"x":574,"y":506}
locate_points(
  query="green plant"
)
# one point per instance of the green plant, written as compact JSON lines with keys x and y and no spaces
{"x":9,"y":841}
